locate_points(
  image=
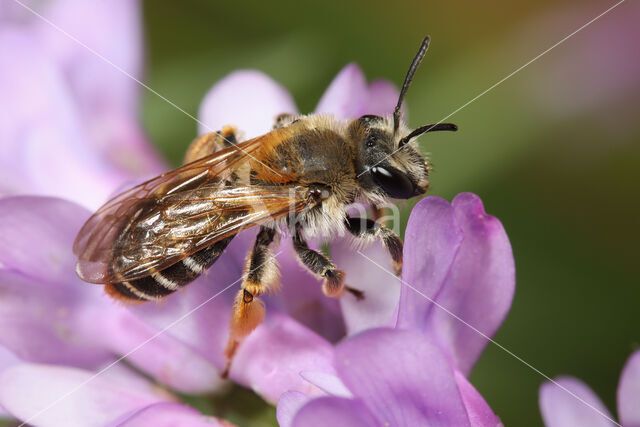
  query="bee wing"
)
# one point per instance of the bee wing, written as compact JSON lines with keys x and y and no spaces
{"x":161,"y":221}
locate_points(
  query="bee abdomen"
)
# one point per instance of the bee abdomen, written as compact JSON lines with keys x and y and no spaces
{"x":159,"y":284}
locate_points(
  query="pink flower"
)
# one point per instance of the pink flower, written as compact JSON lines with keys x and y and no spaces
{"x":69,"y":120}
{"x":560,"y":408}
{"x":458,"y":274}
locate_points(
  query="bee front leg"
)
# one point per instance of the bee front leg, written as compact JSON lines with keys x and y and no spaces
{"x":248,"y":311}
{"x":209,"y":143}
{"x":333,"y":284}
{"x":365,"y":228}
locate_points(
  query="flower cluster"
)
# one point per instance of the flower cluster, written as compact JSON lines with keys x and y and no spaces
{"x":404,"y":353}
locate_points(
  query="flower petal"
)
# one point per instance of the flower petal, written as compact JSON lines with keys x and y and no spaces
{"x":272,"y":357}
{"x":479,"y":412}
{"x":301,"y":295}
{"x":379,"y":366}
{"x":50,"y":395}
{"x":482,"y":270}
{"x":559,"y":408}
{"x":71,"y":127}
{"x":288,"y":405}
{"x":168,"y":415}
{"x":629,"y":392}
{"x":383,"y":97}
{"x":347,"y":94}
{"x":40,"y":322}
{"x":329,"y":383}
{"x":36,"y":236}
{"x":248,"y":99}
{"x":381,"y":290}
{"x":335,"y":412}
{"x":432,"y":241}
{"x":158,"y":354}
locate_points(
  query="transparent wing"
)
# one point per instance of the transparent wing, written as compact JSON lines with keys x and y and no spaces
{"x":159,"y":222}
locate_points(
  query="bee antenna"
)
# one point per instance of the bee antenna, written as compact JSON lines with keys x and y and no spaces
{"x":427,"y":128}
{"x":407,"y":80}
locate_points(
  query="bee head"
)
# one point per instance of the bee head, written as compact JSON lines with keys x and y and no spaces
{"x":388,"y":157}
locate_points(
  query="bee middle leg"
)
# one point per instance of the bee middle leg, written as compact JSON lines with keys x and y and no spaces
{"x":209,"y":143}
{"x":333,"y":284}
{"x":366,"y":228}
{"x":248,"y":311}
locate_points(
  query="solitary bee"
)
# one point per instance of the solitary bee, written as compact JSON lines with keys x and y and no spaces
{"x":157,"y":237}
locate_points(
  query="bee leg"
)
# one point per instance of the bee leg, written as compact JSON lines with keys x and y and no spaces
{"x":209,"y":143}
{"x":365,"y":228}
{"x":284,"y":119}
{"x":248,"y":311}
{"x":333,"y":284}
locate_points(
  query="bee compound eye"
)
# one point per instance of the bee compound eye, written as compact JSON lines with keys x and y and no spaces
{"x":393,"y":182}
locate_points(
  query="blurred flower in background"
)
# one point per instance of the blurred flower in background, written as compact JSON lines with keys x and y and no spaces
{"x":60,"y":334}
{"x":69,"y":120}
{"x":560,"y":409}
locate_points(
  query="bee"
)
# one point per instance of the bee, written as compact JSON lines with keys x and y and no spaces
{"x":298,"y":179}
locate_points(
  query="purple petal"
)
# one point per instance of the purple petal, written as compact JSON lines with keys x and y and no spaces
{"x":382,"y":291}
{"x":347,"y":94}
{"x":28,"y":391}
{"x":301,"y":296}
{"x":47,"y":145}
{"x":559,"y":408}
{"x":479,"y":412}
{"x":329,"y":383}
{"x":160,"y":355}
{"x":272,"y":357}
{"x":335,"y":412}
{"x":288,"y":405}
{"x":248,"y":99}
{"x":379,"y":367}
{"x":383,"y":97}
{"x":40,"y":322}
{"x":105,"y":91}
{"x":36,"y":236}
{"x":629,"y":392}
{"x":45,"y":302}
{"x":432,"y":241}
{"x":482,"y":271}
{"x":168,"y":415}
{"x":42,"y":297}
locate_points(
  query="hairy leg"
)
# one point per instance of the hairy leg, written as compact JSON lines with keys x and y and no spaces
{"x":367,"y":228}
{"x":333,"y":284}
{"x":248,"y":311}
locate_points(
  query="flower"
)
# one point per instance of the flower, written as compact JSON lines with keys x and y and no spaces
{"x":390,"y":377}
{"x":37,"y":394}
{"x":53,"y":320}
{"x":561,"y":408}
{"x":59,"y":332}
{"x":458,"y":276}
{"x":69,"y":119}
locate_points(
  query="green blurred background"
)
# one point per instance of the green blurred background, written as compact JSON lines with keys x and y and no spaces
{"x":553,"y":151}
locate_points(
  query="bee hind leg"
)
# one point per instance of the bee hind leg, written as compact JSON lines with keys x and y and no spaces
{"x":333,"y":284}
{"x":365,"y":228}
{"x":248,"y":311}
{"x":209,"y":143}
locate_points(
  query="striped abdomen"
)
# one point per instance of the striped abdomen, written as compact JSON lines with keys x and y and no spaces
{"x":162,"y":283}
